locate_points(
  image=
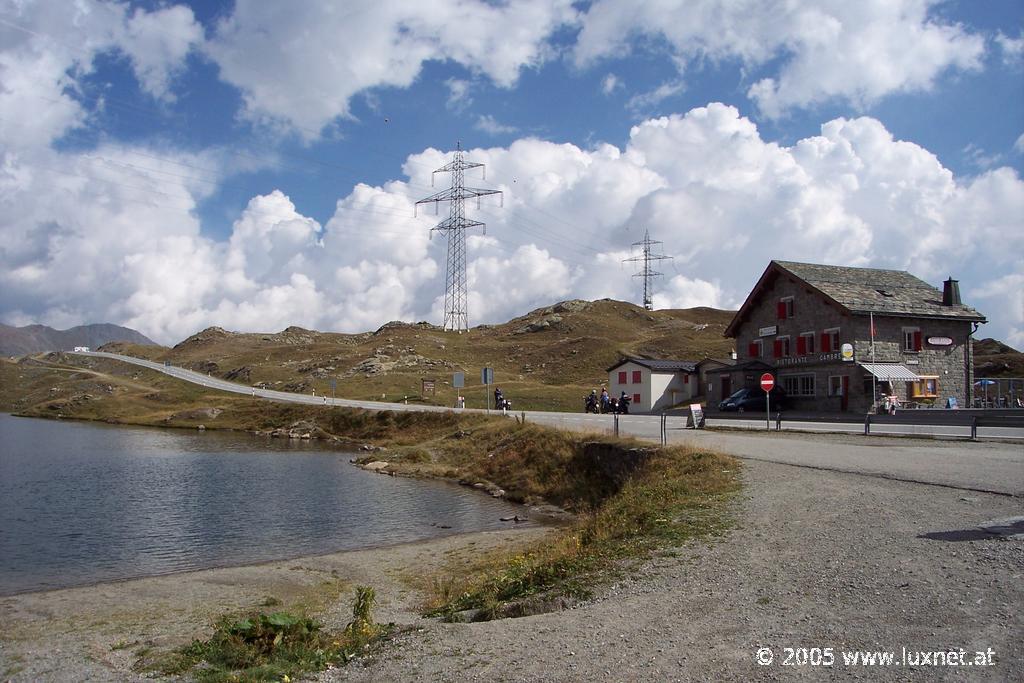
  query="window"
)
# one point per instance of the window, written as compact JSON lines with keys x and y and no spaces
{"x":782,"y":349}
{"x":830,"y":340}
{"x":835,"y":385}
{"x":785,"y":308}
{"x":798,"y":385}
{"x":622,"y":377}
{"x":912,"y":339}
{"x":686,"y":379}
{"x":805,"y":344}
{"x":636,"y":398}
{"x":756,"y":349}
{"x":927,"y":387}
{"x":637,"y":377}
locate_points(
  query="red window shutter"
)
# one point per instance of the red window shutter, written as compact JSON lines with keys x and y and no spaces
{"x":801,"y":346}
{"x":686,"y":379}
{"x":778,"y":348}
{"x":622,"y":377}
{"x":826,"y":346}
{"x":781,"y":308}
{"x":917,"y":340}
{"x":637,"y":377}
{"x":636,"y":398}
{"x":752,"y":350}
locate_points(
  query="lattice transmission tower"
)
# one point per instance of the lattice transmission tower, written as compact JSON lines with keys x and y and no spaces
{"x":456,"y":293}
{"x":646,"y":272}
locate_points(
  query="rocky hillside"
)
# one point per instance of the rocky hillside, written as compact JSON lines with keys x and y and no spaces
{"x":995,"y":359}
{"x":546,"y":358}
{"x":18,"y":341}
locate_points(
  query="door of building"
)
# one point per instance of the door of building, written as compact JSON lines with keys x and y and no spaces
{"x":726,"y":386}
{"x":845,"y":400}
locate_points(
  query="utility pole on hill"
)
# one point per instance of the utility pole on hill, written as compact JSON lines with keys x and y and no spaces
{"x":646,"y":272}
{"x":456,"y":293}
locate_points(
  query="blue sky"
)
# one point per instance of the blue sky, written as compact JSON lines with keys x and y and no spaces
{"x":170,"y":166}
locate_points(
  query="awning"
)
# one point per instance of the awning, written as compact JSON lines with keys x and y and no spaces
{"x":888,"y":372}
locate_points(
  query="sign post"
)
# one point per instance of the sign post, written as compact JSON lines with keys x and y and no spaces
{"x":487,"y":378}
{"x":334,"y":386}
{"x":767,"y":383}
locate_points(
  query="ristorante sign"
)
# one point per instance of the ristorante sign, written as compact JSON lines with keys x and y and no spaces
{"x":809,"y":358}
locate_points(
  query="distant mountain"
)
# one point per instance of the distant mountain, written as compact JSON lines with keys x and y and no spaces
{"x":19,"y":341}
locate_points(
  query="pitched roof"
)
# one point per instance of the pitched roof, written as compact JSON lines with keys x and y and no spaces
{"x":658,"y":365}
{"x":864,"y":290}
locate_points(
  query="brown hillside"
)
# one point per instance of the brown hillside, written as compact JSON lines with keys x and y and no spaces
{"x":995,"y":359}
{"x":544,"y":360}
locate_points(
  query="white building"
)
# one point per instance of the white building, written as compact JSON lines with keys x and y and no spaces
{"x":653,"y":385}
{"x":81,"y":349}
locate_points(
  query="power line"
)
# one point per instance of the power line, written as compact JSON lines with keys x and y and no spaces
{"x":456,"y":294}
{"x":646,"y":272}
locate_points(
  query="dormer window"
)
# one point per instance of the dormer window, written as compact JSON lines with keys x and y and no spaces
{"x":886,"y":292}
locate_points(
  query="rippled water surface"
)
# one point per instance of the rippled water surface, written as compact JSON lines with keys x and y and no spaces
{"x":81,"y":503}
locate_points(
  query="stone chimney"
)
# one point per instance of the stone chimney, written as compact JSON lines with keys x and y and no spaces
{"x":951,"y":292}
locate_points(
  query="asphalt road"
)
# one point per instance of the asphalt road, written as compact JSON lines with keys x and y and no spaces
{"x":995,"y":465}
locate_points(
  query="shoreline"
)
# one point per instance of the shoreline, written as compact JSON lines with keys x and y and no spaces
{"x":98,"y":631}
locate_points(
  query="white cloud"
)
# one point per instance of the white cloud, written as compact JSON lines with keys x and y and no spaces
{"x":110,"y":237}
{"x":492,"y":126}
{"x":458,"y":94}
{"x":1018,"y":146}
{"x":1012,"y":48}
{"x":855,"y":51}
{"x":610,"y":84}
{"x":655,"y":97}
{"x":300,"y":64}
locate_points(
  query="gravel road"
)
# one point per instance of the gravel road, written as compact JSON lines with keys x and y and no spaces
{"x":820,"y":560}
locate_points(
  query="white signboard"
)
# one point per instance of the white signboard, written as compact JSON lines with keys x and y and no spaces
{"x":768,"y":331}
{"x":846,"y":350}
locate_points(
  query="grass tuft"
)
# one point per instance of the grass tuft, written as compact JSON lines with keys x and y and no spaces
{"x":270,"y":647}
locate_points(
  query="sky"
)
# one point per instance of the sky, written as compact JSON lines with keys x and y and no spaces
{"x":169,"y":166}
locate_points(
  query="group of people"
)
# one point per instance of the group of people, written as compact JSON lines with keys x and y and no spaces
{"x":604,"y":403}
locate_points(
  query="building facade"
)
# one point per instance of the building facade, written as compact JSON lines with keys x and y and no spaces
{"x":653,"y":385}
{"x":839,"y":338}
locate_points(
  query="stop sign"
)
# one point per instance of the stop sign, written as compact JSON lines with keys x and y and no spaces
{"x":767,"y":381}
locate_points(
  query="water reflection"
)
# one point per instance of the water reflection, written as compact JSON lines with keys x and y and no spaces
{"x":81,"y":503}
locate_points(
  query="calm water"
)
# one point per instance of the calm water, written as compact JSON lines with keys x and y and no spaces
{"x":81,"y":503}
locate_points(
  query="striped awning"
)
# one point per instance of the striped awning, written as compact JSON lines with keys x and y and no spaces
{"x":888,"y":372}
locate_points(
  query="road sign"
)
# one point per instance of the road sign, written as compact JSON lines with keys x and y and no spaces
{"x":487,"y":376}
{"x":767,"y":381}
{"x":428,"y":387}
{"x":459,"y":380}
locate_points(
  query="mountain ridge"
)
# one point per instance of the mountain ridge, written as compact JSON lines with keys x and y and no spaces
{"x":20,"y":341}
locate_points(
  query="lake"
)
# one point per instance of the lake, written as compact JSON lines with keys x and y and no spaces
{"x":82,"y":503}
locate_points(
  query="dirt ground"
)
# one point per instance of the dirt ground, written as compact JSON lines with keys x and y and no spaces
{"x":820,"y":559}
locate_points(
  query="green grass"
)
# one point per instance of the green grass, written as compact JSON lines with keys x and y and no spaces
{"x":270,"y":647}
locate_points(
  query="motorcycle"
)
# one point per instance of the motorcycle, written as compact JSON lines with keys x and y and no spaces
{"x":590,"y":404}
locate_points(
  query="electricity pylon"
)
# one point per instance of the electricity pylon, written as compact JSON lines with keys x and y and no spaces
{"x":646,"y":272}
{"x":456,"y":293}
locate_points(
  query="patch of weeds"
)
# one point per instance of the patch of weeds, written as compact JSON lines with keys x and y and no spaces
{"x":271,"y":647}
{"x":270,"y":601}
{"x":676,"y":496}
{"x":764,"y":600}
{"x":122,"y":645}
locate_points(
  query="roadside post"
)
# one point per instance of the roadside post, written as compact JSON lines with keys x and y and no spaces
{"x":459,"y":381}
{"x":334,"y":386}
{"x":487,"y":379}
{"x":767,"y":383}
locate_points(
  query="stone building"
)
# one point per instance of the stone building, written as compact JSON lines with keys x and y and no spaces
{"x":839,"y":338}
{"x":653,"y":385}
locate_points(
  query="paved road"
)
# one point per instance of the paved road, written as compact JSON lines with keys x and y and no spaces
{"x":991,"y":466}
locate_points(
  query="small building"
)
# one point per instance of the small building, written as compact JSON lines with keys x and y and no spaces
{"x":709,"y":374}
{"x":653,"y":385}
{"x":839,"y":338}
{"x":81,"y":349}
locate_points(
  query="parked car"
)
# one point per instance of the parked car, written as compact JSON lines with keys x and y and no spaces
{"x":753,"y":400}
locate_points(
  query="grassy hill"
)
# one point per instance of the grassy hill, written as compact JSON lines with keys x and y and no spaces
{"x":547,"y":359}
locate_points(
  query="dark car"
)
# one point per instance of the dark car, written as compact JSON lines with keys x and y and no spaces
{"x":753,"y":400}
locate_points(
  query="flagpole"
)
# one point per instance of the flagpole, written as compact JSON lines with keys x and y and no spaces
{"x":874,"y":377}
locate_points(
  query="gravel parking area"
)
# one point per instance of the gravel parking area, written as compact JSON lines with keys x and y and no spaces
{"x":820,"y":560}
